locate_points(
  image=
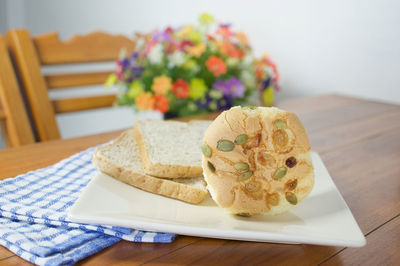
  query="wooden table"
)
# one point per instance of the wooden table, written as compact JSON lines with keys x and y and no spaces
{"x":358,"y":140}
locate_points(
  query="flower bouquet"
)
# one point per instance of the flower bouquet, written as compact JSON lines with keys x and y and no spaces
{"x":192,"y":70}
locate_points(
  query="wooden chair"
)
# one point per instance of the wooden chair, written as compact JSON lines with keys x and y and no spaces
{"x":33,"y":52}
{"x":14,"y":122}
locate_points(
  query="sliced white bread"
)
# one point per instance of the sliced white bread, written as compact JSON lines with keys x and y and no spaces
{"x":121,"y":160}
{"x":170,"y":149}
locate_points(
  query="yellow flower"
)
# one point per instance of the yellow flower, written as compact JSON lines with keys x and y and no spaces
{"x":197,"y":50}
{"x":185,"y":31}
{"x":194,"y":37}
{"x":198,"y":89}
{"x":161,"y":85}
{"x":144,"y":101}
{"x":111,"y":80}
{"x":268,"y":96}
{"x":191,"y":65}
{"x":242,"y":37}
{"x":135,"y":89}
{"x":206,"y":19}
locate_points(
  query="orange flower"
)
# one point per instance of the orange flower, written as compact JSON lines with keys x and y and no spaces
{"x":197,"y":50}
{"x":181,"y":89}
{"x":216,"y":66}
{"x":260,"y":73}
{"x":161,"y":103}
{"x":210,"y":37}
{"x":242,"y":37}
{"x":144,"y":101}
{"x":230,"y":50}
{"x":260,"y":68}
{"x":161,"y":85}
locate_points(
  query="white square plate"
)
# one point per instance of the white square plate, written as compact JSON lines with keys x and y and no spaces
{"x":323,"y":218}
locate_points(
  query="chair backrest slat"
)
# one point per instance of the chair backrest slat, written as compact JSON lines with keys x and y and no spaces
{"x":93,"y":47}
{"x":80,"y":104}
{"x":34,"y":84}
{"x":47,"y":49}
{"x":16,"y":128}
{"x":2,"y":114}
{"x":59,"y":81}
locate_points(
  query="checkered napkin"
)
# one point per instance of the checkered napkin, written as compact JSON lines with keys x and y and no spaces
{"x":33,"y":215}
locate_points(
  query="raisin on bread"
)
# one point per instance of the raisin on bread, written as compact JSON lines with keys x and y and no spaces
{"x":257,"y":160}
{"x":170,"y":149}
{"x":120,"y":159}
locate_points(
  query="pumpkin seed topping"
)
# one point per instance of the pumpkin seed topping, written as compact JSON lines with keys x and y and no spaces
{"x":225,"y":145}
{"x":206,"y":150}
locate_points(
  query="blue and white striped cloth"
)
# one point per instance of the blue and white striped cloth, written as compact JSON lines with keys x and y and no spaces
{"x":33,"y":215}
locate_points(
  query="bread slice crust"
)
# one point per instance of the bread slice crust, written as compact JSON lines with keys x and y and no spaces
{"x":164,"y":187}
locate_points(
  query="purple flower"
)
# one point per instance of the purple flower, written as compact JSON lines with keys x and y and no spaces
{"x":222,"y":86}
{"x":225,"y":25}
{"x":161,"y":36}
{"x":232,"y":87}
{"x":224,"y":103}
{"x":134,"y":56}
{"x":236,"y":88}
{"x":125,"y":63}
{"x":265,"y":83}
{"x":221,"y":104}
{"x":204,"y":102}
{"x":136,"y":71}
{"x":122,"y":68}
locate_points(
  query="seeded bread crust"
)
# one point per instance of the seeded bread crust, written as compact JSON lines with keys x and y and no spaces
{"x":166,"y":170}
{"x":134,"y":177}
{"x":258,"y":186}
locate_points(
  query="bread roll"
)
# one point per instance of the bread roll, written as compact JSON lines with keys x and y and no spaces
{"x":257,"y":160}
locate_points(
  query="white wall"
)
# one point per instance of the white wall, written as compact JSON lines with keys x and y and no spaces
{"x":3,"y":18}
{"x":12,"y":14}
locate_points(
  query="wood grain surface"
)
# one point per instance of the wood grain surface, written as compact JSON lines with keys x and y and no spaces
{"x":14,"y":118}
{"x":358,"y":141}
{"x":92,"y":47}
{"x":26,"y":58}
{"x":67,"y":105}
{"x":59,"y":81}
{"x":2,"y":113}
